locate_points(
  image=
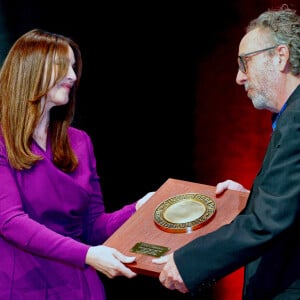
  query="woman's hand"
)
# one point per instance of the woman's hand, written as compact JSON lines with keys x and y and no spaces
{"x":109,"y":261}
{"x":143,"y":200}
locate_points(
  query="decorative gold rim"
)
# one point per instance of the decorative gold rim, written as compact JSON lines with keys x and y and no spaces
{"x":184,"y":212}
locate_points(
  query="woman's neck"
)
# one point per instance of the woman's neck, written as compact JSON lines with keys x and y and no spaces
{"x":40,"y":133}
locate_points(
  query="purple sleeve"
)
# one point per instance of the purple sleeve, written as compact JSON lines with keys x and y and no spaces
{"x":112,"y":221}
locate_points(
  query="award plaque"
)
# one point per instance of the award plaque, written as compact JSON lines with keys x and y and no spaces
{"x":178,"y":212}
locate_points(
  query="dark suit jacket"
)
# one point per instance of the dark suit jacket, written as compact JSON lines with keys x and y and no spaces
{"x":265,"y":236}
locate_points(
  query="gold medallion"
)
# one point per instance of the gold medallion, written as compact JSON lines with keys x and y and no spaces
{"x":184,"y":212}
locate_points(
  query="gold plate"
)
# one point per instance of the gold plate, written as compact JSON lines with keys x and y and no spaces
{"x":184,"y":212}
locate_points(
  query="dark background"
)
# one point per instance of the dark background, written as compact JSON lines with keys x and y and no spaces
{"x":158,"y":96}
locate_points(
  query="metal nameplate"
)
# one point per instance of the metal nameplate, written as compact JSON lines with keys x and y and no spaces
{"x":149,"y":249}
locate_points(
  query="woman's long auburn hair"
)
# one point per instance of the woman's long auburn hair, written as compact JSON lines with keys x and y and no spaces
{"x":25,"y":78}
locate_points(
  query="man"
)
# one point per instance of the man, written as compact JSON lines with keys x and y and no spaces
{"x":264,"y":237}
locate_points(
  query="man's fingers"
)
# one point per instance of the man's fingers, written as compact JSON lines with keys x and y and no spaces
{"x":160,"y":260}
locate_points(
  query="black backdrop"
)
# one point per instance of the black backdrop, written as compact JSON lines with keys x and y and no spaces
{"x":137,"y":95}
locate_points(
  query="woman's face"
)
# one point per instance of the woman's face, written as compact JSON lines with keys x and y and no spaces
{"x":59,"y":94}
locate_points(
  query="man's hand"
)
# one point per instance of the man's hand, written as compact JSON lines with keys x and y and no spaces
{"x":230,"y":185}
{"x":169,"y":276}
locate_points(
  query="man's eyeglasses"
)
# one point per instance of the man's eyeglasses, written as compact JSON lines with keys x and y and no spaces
{"x":242,"y":58}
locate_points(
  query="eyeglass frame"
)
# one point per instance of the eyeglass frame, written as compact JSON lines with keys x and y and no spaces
{"x":243,"y":64}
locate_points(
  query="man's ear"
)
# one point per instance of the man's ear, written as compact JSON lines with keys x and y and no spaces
{"x":283,"y":57}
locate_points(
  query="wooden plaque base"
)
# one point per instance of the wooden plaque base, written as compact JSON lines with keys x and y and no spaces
{"x":142,"y":228}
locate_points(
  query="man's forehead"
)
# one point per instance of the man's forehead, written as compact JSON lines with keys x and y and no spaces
{"x":252,"y":41}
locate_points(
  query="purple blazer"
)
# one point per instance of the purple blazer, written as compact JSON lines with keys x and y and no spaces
{"x":48,"y":220}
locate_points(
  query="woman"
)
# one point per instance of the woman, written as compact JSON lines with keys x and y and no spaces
{"x":52,"y":215}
